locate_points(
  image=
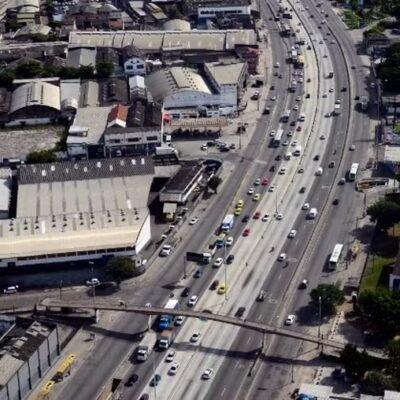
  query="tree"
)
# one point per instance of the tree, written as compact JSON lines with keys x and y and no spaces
{"x":376,"y":382}
{"x":355,"y":363}
{"x":29,"y":69}
{"x":214,"y":182}
{"x":122,"y":267}
{"x":68,"y":73}
{"x":385,"y":213}
{"x":6,"y":78}
{"x":382,"y":307}
{"x":41,"y":156}
{"x":393,"y":352}
{"x":330,"y":295}
{"x":86,"y":71}
{"x":105,"y":69}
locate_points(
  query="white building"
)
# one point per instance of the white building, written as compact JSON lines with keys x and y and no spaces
{"x":71,"y":211}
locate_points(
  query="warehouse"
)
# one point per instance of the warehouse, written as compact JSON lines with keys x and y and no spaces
{"x":83,"y":210}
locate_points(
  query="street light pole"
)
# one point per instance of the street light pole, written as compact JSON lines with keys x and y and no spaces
{"x":184,"y":267}
{"x":320,"y":315}
{"x":91,"y":263}
{"x":226,"y":273}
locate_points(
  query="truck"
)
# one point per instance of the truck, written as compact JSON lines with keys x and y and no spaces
{"x":165,"y":320}
{"x":166,"y":338}
{"x":201,"y":258}
{"x":336,"y":110}
{"x":165,"y":150}
{"x":312,"y":213}
{"x":145,"y":347}
{"x":227,"y":223}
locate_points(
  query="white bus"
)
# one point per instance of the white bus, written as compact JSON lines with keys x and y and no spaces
{"x":335,"y":256}
{"x":278,"y":138}
{"x":353,"y":171}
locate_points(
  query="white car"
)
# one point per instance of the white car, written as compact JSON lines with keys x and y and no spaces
{"x":289,"y":133}
{"x":298,"y":98}
{"x":195,"y":337}
{"x":174,"y":369}
{"x":331,"y":90}
{"x":272,"y":133}
{"x":282,"y":257}
{"x":192,"y":301}
{"x":301,"y":170}
{"x":290,"y":319}
{"x":92,"y":282}
{"x":170,"y":356}
{"x":306,"y":206}
{"x":352,"y":147}
{"x":296,"y":107}
{"x":257,"y":181}
{"x":251,"y":191}
{"x":204,"y":147}
{"x":328,"y":114}
{"x":179,"y":320}
{"x":218,"y":262}
{"x":300,"y":80}
{"x":11,"y":290}
{"x":273,"y":98}
{"x":279,"y":216}
{"x":271,"y":188}
{"x":292,"y":234}
{"x":285,"y":143}
{"x":282,"y":171}
{"x":166,"y":250}
{"x":277,"y":65}
{"x":229,"y":241}
{"x":207,"y":374}
{"x":194,"y":221}
{"x":265,"y":218}
{"x":294,"y":143}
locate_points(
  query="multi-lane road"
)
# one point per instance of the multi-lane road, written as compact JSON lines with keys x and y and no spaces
{"x":228,"y":350}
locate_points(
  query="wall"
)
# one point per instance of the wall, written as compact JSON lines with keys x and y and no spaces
{"x":194,"y":99}
{"x":210,"y":12}
{"x":144,"y":235}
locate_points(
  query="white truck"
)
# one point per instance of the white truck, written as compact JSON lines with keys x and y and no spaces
{"x":312,"y":213}
{"x":165,"y":150}
{"x":336,"y":110}
{"x":146,"y":346}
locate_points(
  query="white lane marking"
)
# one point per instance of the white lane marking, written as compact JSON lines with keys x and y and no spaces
{"x":279,"y":277}
{"x":248,"y":340}
{"x":223,"y":391}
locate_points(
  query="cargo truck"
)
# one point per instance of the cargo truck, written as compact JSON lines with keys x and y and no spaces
{"x":146,"y":346}
{"x":167,"y":337}
{"x":165,"y":320}
{"x":227,"y":223}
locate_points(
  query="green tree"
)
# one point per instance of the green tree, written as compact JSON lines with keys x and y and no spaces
{"x":384,"y":213}
{"x":382,"y":307}
{"x":39,"y":38}
{"x":376,"y":382}
{"x":122,"y":267}
{"x":355,"y":363}
{"x":214,"y":182}
{"x":393,"y":352}
{"x":86,"y":71}
{"x":68,"y":73}
{"x":105,"y":69}
{"x":41,"y":156}
{"x":29,"y":69}
{"x":6,"y":78}
{"x":330,"y":295}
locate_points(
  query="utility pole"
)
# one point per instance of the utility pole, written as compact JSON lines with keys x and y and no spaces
{"x":320,"y":315}
{"x":184,"y":267}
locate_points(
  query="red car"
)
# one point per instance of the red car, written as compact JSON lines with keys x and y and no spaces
{"x":214,"y":285}
{"x":246,"y":232}
{"x":265,"y":182}
{"x":257,"y":215}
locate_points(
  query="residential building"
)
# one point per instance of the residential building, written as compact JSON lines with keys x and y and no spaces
{"x":81,"y":56}
{"x":376,"y":43}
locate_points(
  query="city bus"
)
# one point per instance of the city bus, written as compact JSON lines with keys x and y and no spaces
{"x":278,"y":138}
{"x":353,"y":171}
{"x":300,"y":61}
{"x":335,"y":256}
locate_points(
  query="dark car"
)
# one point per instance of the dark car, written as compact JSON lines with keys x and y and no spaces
{"x":185,"y":292}
{"x":144,"y":396}
{"x":214,"y":285}
{"x":303,"y":189}
{"x":335,"y":202}
{"x":293,"y":123}
{"x":357,"y":98}
{"x":224,"y":149}
{"x":156,"y":380}
{"x":267,"y":110}
{"x":240,"y":311}
{"x":246,"y":218}
{"x":197,"y":274}
{"x":230,"y":258}
{"x":272,"y":87}
{"x":273,"y":168}
{"x":132,"y":379}
{"x":278,"y":157}
{"x":344,"y":89}
{"x":308,"y":96}
{"x":316,"y":157}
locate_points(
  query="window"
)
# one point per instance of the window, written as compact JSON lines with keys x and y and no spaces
{"x":133,"y":140}
{"x":151,"y":138}
{"x":139,"y":66}
{"x":129,"y":67}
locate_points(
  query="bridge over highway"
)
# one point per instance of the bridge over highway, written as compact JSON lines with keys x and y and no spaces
{"x":255,"y":326}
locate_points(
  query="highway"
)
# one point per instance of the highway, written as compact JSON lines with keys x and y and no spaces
{"x":227,"y":350}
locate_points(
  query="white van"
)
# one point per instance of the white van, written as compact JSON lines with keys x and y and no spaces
{"x":288,"y":155}
{"x":319,"y":171}
{"x":297,"y":151}
{"x":312,"y":213}
{"x":302,"y":117}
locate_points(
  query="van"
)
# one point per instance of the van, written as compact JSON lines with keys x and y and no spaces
{"x":312,"y":213}
{"x":11,"y":290}
{"x":288,"y":155}
{"x":297,"y":151}
{"x":319,"y":171}
{"x":302,"y":117}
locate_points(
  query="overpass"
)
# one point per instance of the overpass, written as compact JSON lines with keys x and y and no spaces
{"x":242,"y":323}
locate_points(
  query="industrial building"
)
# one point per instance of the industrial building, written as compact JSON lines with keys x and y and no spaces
{"x":83,"y":210}
{"x":27,"y":350}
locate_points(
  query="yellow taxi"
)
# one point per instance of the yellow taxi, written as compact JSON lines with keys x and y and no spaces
{"x":238,"y":211}
{"x":240,"y":204}
{"x":256,"y":197}
{"x":222,"y":289}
